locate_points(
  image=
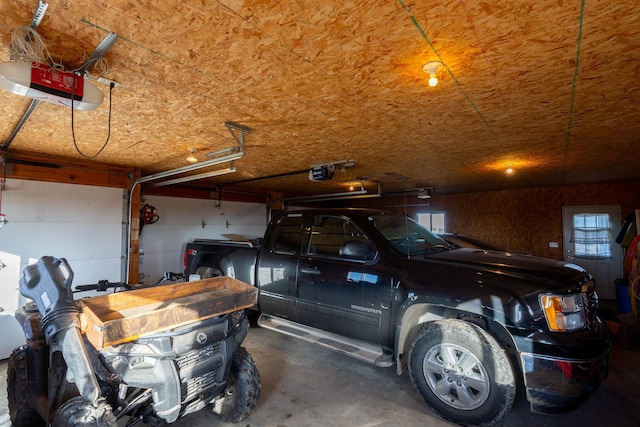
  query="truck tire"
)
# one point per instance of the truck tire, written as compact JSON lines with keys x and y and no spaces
{"x":206,"y":272}
{"x":243,"y":392}
{"x":78,"y":413}
{"x":21,"y":413}
{"x":462,"y":373}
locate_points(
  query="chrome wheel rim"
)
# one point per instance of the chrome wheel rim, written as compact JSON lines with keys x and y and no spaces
{"x":456,"y":376}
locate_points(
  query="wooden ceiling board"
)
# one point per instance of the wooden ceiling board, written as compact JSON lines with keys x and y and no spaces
{"x":549,"y":87}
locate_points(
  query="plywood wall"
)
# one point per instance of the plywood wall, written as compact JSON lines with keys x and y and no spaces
{"x":526,"y":219}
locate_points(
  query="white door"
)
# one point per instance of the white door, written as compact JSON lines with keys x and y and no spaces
{"x":588,"y":234}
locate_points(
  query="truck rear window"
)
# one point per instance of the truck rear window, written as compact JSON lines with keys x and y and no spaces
{"x":288,"y":235}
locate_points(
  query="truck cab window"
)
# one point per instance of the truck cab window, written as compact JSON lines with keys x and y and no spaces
{"x":289,"y":234}
{"x":329,"y":234}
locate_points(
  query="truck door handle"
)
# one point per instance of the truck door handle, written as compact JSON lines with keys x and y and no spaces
{"x":310,"y":270}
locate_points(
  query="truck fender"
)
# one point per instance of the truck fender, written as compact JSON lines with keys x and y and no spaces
{"x":418,"y":315}
{"x":408,"y":327}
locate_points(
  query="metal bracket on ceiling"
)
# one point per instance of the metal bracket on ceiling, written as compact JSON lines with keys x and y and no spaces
{"x":243,"y":131}
{"x":358,"y":194}
{"x":98,"y":52}
{"x":35,"y":21}
{"x":38,"y":14}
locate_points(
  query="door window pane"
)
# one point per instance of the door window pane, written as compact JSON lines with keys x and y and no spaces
{"x":591,"y":236}
{"x":288,"y":235}
{"x":330,"y":233}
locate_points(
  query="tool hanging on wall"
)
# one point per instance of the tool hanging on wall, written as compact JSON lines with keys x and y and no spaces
{"x":148,"y":215}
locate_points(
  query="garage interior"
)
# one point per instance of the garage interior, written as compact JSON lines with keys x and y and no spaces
{"x":215,"y":113}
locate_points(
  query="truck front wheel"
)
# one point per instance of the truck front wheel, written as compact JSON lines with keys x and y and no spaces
{"x":243,"y":391}
{"x":462,"y":373}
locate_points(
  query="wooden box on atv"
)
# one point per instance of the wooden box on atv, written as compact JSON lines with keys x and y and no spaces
{"x":125,"y":316}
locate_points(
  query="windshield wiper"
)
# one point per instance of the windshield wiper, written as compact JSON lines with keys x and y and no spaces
{"x":431,"y":249}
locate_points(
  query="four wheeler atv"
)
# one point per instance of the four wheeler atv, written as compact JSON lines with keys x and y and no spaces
{"x":147,"y":355}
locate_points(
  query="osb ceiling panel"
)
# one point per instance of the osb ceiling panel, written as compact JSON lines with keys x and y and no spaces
{"x":550,"y":87}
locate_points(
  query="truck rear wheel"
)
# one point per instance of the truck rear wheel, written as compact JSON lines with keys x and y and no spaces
{"x":241,"y":395}
{"x":20,"y":412}
{"x":462,"y":373}
{"x":206,"y":272}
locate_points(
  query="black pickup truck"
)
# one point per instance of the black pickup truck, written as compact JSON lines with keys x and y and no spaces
{"x":471,"y":325}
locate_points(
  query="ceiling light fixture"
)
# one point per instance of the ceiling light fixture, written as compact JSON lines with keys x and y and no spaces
{"x":191,"y":158}
{"x":432,"y":68}
{"x":509,"y":170}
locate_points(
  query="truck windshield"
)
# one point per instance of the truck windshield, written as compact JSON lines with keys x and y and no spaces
{"x":406,"y":235}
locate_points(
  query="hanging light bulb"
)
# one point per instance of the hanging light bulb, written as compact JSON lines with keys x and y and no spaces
{"x":432,"y":68}
{"x":509,"y":170}
{"x":191,"y":158}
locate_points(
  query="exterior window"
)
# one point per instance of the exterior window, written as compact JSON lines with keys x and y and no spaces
{"x":330,"y":233}
{"x":288,"y":235}
{"x":431,"y":221}
{"x":591,"y":235}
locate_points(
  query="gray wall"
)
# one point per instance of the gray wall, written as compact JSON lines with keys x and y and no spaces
{"x":80,"y":223}
{"x":162,"y":243}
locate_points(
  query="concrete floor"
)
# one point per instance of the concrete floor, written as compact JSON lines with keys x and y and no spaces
{"x":306,"y":385}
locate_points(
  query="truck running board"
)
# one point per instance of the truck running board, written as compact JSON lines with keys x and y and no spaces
{"x":354,"y":348}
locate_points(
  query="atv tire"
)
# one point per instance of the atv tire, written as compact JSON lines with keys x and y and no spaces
{"x":78,"y":413}
{"x":21,"y":413}
{"x":243,"y":391}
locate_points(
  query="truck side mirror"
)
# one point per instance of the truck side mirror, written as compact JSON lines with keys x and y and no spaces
{"x":356,"y":249}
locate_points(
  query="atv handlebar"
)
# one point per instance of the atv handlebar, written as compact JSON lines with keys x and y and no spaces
{"x":104,"y":285}
{"x":101,"y":286}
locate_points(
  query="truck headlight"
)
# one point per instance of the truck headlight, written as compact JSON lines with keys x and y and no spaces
{"x":563,"y":312}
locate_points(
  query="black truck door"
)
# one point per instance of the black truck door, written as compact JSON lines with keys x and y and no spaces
{"x":338,"y":290}
{"x":277,"y":268}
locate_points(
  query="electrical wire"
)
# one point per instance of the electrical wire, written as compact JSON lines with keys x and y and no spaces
{"x":28,"y":46}
{"x":73,"y":132}
{"x":446,"y":67}
{"x":574,"y":83}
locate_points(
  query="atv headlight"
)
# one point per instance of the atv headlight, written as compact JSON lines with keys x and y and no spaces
{"x":563,"y":312}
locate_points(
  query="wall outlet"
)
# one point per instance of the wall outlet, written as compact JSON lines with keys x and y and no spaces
{"x":553,"y":244}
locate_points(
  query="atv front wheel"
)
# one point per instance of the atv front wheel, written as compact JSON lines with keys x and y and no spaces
{"x":78,"y":413}
{"x":243,"y":391}
{"x":20,"y":412}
